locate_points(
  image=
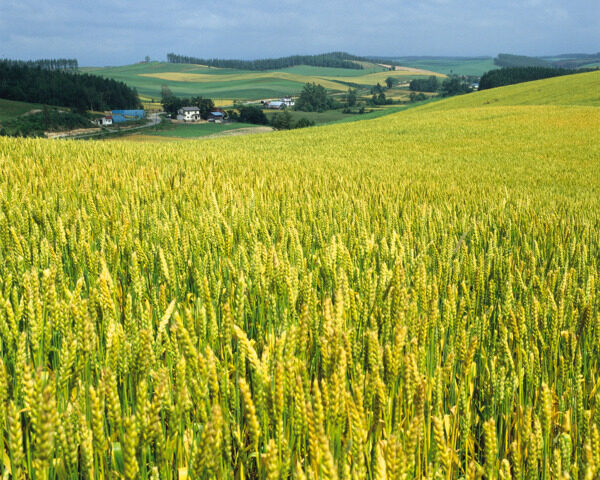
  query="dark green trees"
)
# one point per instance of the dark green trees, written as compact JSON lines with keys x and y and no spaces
{"x":313,"y":98}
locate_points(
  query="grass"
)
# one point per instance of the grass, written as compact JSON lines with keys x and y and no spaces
{"x":10,"y":109}
{"x":448,"y":65}
{"x":194,"y":80}
{"x":580,"y":89}
{"x":317,"y":117}
{"x":195,"y":130}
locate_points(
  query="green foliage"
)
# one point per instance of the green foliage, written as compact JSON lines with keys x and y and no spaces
{"x":390,"y":82}
{"x":431,"y":84}
{"x":508,"y":60}
{"x":510,"y":76}
{"x":313,"y":98}
{"x":417,"y":97}
{"x":285,"y":121}
{"x":334,"y":59}
{"x":30,"y":83}
{"x":171,"y":104}
{"x":282,"y":121}
{"x":252,"y":114}
{"x":48,"y":120}
{"x":351,"y":97}
{"x":455,"y":86}
{"x":304,"y":122}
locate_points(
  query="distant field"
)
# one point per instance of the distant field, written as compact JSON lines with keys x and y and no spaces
{"x":192,"y":80}
{"x":580,"y":89}
{"x":448,"y":65}
{"x":10,"y":109}
{"x":196,"y":130}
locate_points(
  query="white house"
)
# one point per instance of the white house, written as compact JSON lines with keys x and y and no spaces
{"x":287,"y":101}
{"x":104,"y":121}
{"x":188,"y":114}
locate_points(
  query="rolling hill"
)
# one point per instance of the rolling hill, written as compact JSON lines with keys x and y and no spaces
{"x":413,"y":296}
{"x":191,"y":80}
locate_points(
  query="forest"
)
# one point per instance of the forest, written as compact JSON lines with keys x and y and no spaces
{"x":334,"y":59}
{"x":29,"y":82}
{"x":65,"y":64}
{"x":509,"y":76}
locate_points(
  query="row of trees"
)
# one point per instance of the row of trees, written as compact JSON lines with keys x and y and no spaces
{"x":453,"y":85}
{"x":63,"y":64}
{"x":431,"y":84}
{"x":568,"y":61}
{"x":506,"y":60}
{"x":334,"y":59}
{"x":24,"y":82}
{"x":509,"y":76}
{"x":171,"y":104}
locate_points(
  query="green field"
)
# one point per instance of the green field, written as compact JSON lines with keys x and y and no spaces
{"x":195,"y":130}
{"x":10,"y":109}
{"x":192,"y":80}
{"x":449,"y":65}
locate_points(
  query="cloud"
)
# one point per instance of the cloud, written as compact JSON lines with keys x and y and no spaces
{"x":117,"y":32}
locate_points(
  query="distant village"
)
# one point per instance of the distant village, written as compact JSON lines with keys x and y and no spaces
{"x":192,"y":113}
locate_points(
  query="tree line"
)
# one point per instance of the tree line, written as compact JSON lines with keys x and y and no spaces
{"x":334,"y":59}
{"x":64,"y":64}
{"x":510,"y":76}
{"x":453,"y":85}
{"x":24,"y":82}
{"x":570,"y":61}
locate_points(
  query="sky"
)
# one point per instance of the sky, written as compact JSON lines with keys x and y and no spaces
{"x":112,"y":32}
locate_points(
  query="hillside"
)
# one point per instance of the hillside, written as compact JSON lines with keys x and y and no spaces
{"x":475,"y":66}
{"x":187,"y":80}
{"x":413,"y":296}
{"x":579,"y":89}
{"x":10,"y":109}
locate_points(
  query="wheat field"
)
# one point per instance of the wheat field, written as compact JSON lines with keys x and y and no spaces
{"x":414,"y":296}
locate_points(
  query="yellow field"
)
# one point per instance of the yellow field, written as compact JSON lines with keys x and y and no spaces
{"x":329,"y":82}
{"x":581,"y":89}
{"x":414,"y":296}
{"x":379,"y":77}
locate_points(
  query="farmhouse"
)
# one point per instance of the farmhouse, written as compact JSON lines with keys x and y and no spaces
{"x":279,"y":104}
{"x":188,"y":114}
{"x":275,"y":105}
{"x":216,"y":117}
{"x":288,"y":101}
{"x":104,"y":121}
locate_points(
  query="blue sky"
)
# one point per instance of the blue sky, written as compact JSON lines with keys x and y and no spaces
{"x":119,"y":32}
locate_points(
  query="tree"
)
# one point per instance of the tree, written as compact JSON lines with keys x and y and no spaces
{"x":351,"y":97}
{"x":377,"y":89}
{"x":304,"y":122}
{"x":455,"y":86}
{"x":253,"y":114}
{"x":165,"y":92}
{"x":313,"y":98}
{"x":430,"y":84}
{"x":206,"y":105}
{"x":390,"y":82}
{"x":282,"y":121}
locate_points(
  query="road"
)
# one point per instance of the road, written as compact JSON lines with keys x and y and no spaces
{"x":153,"y":120}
